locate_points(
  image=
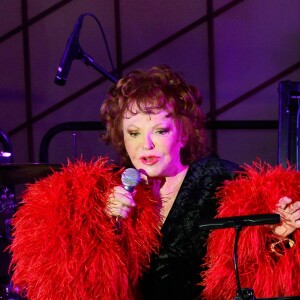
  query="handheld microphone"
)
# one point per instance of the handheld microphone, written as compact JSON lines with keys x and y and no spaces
{"x":72,"y":52}
{"x":249,"y":220}
{"x":130,"y":179}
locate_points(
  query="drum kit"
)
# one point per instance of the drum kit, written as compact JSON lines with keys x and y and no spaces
{"x":12,"y":177}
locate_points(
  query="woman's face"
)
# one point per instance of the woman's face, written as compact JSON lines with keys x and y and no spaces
{"x":153,"y":143}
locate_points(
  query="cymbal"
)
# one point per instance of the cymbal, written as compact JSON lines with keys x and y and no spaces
{"x":11,"y":174}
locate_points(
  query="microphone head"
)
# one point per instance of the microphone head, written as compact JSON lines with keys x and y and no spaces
{"x":59,"y":79}
{"x":72,"y":51}
{"x":130,"y":179}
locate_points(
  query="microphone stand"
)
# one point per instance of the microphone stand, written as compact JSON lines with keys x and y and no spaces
{"x":242,"y":293}
{"x":89,"y":61}
{"x":78,"y":53}
{"x":74,"y":51}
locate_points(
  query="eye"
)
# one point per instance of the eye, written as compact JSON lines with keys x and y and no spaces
{"x":133,"y":133}
{"x":162,"y":131}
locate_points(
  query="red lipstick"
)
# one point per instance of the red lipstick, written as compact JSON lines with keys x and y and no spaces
{"x":149,"y":160}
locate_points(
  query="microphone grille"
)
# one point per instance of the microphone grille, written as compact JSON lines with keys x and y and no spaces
{"x":131,"y":177}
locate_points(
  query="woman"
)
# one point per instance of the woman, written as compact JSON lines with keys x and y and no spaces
{"x":81,"y":235}
{"x":155,"y":123}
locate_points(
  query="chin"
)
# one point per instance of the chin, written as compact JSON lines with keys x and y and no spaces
{"x":150,"y":173}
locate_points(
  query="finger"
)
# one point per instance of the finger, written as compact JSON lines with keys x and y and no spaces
{"x":290,"y":209}
{"x":120,"y":202}
{"x":291,"y":220}
{"x":123,"y":214}
{"x":116,"y":206}
{"x":295,"y":207}
{"x":120,"y":189}
{"x":283,"y":202}
{"x":295,"y":216}
{"x":285,"y":199}
{"x":116,"y":203}
{"x":119,"y":212}
{"x":125,"y":208}
{"x":124,"y":196}
{"x":285,"y":216}
{"x":125,"y":200}
{"x":112,"y":211}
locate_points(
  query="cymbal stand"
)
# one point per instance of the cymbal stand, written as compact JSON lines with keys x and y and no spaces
{"x":7,"y":209}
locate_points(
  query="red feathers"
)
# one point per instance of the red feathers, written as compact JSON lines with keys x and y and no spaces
{"x":66,"y":247}
{"x":256,"y":191}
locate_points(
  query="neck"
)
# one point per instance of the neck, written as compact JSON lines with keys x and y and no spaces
{"x":167,"y":189}
{"x":161,"y":184}
{"x":173,"y":183}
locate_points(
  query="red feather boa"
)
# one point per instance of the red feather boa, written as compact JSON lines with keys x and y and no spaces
{"x":255,"y":191}
{"x":66,"y":247}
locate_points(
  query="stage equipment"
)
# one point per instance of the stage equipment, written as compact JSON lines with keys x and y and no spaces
{"x":289,"y":118}
{"x":73,"y":51}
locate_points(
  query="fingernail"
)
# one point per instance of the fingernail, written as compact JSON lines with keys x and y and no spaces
{"x":133,"y":204}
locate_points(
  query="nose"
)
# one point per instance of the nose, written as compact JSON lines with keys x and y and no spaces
{"x":147,"y":142}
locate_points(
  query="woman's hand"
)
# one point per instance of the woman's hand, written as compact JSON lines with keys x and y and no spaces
{"x":290,"y":217}
{"x":120,"y":203}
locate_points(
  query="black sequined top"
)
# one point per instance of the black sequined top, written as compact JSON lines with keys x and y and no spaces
{"x":174,"y":272}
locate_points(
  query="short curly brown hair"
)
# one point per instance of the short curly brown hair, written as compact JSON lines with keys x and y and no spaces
{"x":151,"y":90}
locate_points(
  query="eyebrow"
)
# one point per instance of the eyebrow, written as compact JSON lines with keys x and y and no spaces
{"x":155,"y":125}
